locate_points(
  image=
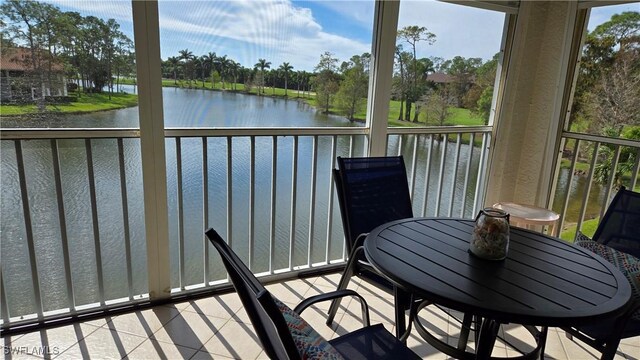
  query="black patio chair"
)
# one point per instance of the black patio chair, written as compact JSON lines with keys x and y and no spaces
{"x":371,"y":191}
{"x":616,"y":239}
{"x":284,"y":335}
{"x":620,"y":225}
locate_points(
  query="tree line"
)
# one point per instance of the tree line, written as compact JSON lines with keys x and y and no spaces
{"x":607,"y":93}
{"x":343,"y":85}
{"x":193,"y":71}
{"x":93,"y":52}
{"x":96,"y":54}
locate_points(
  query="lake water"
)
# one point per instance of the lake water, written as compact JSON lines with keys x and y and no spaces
{"x":184,"y":108}
{"x":199,"y":108}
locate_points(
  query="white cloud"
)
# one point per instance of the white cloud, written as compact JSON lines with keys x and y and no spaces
{"x":279,"y":30}
{"x":113,"y":9}
{"x":247,"y":30}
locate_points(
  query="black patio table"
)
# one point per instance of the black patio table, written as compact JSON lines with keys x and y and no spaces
{"x":543,"y":281}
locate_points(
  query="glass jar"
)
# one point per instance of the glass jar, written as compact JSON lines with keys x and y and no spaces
{"x":490,"y":239}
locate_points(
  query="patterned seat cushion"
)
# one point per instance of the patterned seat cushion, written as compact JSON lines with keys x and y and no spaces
{"x":309,"y":343}
{"x":627,"y":264}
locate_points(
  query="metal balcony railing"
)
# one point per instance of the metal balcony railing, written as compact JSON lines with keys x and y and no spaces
{"x":73,"y":237}
{"x":589,"y":171}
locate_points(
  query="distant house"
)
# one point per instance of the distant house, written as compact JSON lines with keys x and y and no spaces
{"x":440,"y":78}
{"x":20,"y":82}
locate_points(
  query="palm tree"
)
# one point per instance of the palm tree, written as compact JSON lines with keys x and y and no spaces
{"x":210,"y":61}
{"x":223,"y":67}
{"x":285,"y":68}
{"x":262,"y":64}
{"x":174,"y":66}
{"x":234,"y":67}
{"x":303,"y":81}
{"x":199,"y":66}
{"x":187,"y":57}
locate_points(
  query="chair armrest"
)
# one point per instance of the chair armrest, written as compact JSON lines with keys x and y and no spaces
{"x":335,"y":295}
{"x":360,"y":240}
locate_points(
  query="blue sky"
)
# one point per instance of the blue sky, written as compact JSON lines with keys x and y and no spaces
{"x":299,"y":31}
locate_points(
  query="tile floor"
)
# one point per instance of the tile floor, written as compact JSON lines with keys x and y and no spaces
{"x":218,"y":328}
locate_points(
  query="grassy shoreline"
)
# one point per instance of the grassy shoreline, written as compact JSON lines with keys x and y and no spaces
{"x":96,"y":102}
{"x":458,"y":116}
{"x":86,"y":103}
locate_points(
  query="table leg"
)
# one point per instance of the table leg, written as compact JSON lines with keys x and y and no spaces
{"x":487,"y":339}
{"x":402,"y":299}
{"x":464,"y":331}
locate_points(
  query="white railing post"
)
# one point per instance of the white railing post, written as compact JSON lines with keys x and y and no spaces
{"x":385,"y":26}
{"x":152,"y":148}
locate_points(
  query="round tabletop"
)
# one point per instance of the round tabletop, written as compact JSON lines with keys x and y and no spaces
{"x":543,"y":281}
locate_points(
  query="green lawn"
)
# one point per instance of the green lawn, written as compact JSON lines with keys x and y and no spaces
{"x":266,"y":91}
{"x":465,"y":117}
{"x":588,"y":228}
{"x":98,"y":102}
{"x":85,"y":103}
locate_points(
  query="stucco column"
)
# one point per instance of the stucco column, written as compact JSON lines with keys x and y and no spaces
{"x":528,"y":126}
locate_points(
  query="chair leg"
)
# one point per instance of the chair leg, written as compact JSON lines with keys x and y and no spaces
{"x":344,"y":282}
{"x":542,"y":340}
{"x":610,"y":350}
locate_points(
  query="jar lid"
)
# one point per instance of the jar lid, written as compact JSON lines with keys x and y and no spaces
{"x":491,"y":211}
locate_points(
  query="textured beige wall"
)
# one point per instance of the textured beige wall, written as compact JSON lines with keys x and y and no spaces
{"x":527,"y":127}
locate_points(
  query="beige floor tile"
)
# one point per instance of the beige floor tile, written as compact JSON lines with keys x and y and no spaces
{"x":331,"y":281}
{"x":499,"y":351}
{"x":152,"y":349}
{"x":633,"y":341}
{"x":630,"y":350}
{"x":189,"y":329}
{"x":178,"y":306}
{"x":367,"y":288}
{"x":236,"y":340}
{"x":423,"y":349}
{"x":328,"y":280}
{"x":346,"y":324}
{"x":553,"y":348}
{"x":576,"y":349}
{"x":262,"y":356}
{"x":520,"y":338}
{"x":203,"y":355}
{"x":143,"y":323}
{"x":290,"y":292}
{"x":222,"y":306}
{"x":52,"y":342}
{"x":241,"y":316}
{"x":19,"y":354}
{"x":100,"y":321}
{"x":200,"y":330}
{"x":9,"y":341}
{"x":381,"y":310}
{"x":11,"y":352}
{"x":103,"y":344}
{"x":436,"y":321}
{"x":317,"y":319}
{"x":319,"y":289}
